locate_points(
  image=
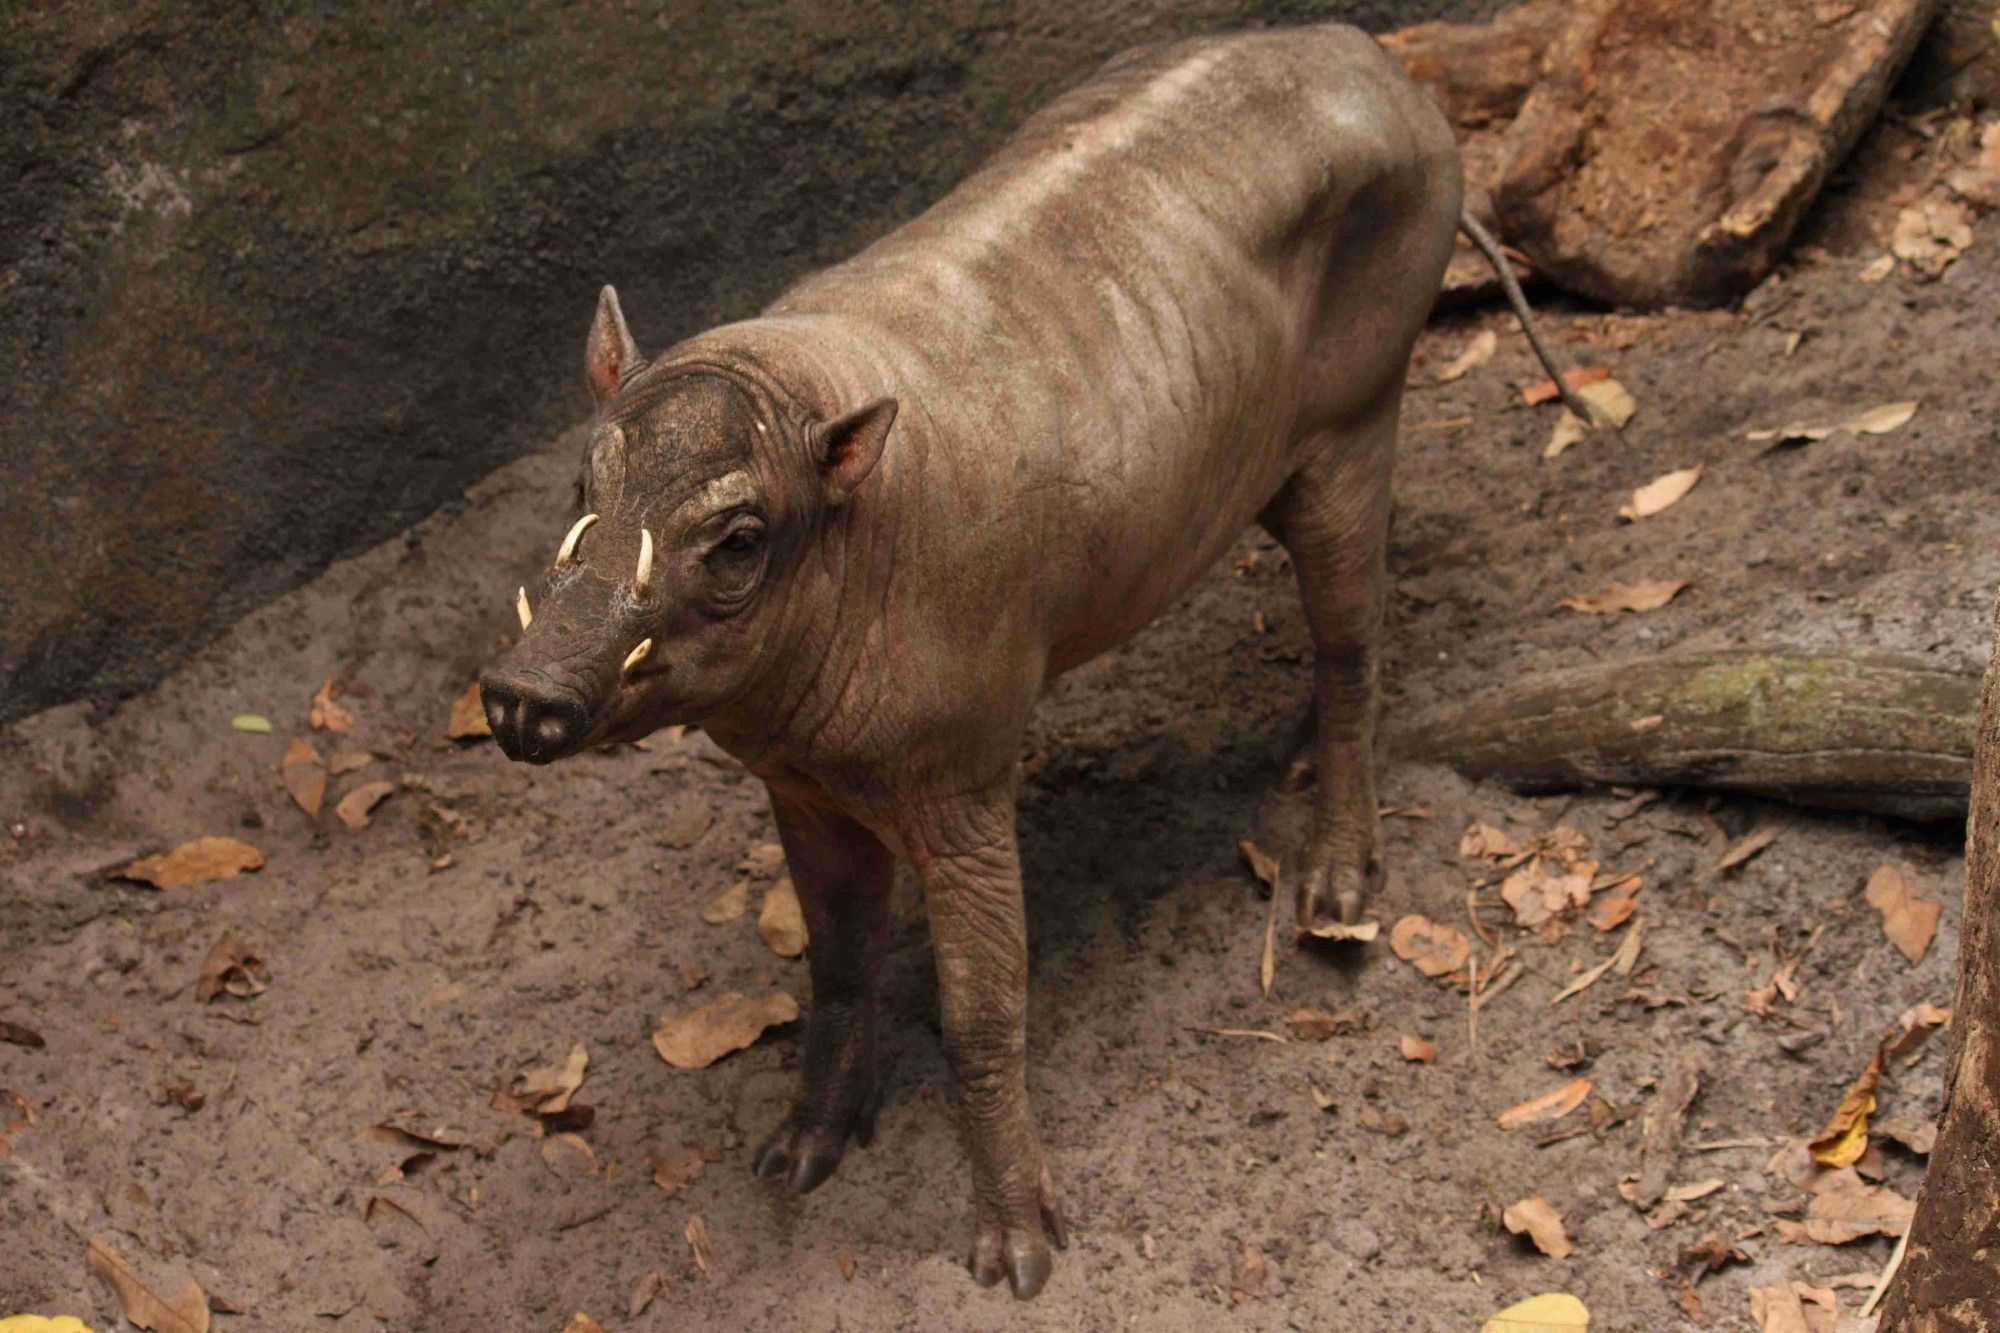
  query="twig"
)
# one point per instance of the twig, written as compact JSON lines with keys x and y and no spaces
{"x":1258,"y":1033}
{"x":1888,"y":1273}
{"x":1472,"y":1008}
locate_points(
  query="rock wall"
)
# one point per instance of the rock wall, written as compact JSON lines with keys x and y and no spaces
{"x":278,"y":279}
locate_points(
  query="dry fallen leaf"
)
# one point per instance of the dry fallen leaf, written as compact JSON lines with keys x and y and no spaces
{"x":356,"y":808}
{"x":1262,"y":864}
{"x":781,"y":924}
{"x":1850,"y":1210}
{"x":181,"y":1309}
{"x":726,"y":906}
{"x":1359,"y":932}
{"x":1659,"y":493}
{"x":696,"y":1232}
{"x":1919,"y":1136}
{"x":468,"y":716}
{"x":1610,"y":401}
{"x":548,"y":1091}
{"x":1248,"y":1273}
{"x":1845,"y":1137}
{"x":582,"y":1323}
{"x":1744,"y":848}
{"x":232,"y":967}
{"x":1621,"y":959}
{"x":304,"y":775}
{"x":1875,"y":421}
{"x":1612,"y":905}
{"x":1545,"y":391}
{"x":1910,"y":921}
{"x":1553,"y":1105}
{"x":1550,"y":1312}
{"x":1485,"y":840}
{"x":1319,"y":1025}
{"x":1544,"y":898}
{"x":762,"y":858}
{"x":1476,"y":354}
{"x":347,"y":761}
{"x":697,"y":1038}
{"x":1930,"y":234}
{"x":847,"y":1266}
{"x":326,"y":715}
{"x":1794,"y":1307}
{"x":1433,"y":949}
{"x":1877,"y":268}
{"x":195,"y":862}
{"x":254,"y":723}
{"x":1418,"y":1051}
{"x":643,"y":1293}
{"x":1626,"y":597}
{"x":1537,"y":1219}
{"x":673,"y":1170}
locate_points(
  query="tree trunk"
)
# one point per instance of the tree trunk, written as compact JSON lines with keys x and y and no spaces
{"x":1950,"y":1278}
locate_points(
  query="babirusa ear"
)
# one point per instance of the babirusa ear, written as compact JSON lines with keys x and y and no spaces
{"x":849,"y":446}
{"x":611,"y":354}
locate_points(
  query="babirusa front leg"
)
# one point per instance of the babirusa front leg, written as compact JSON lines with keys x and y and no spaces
{"x":971,"y":875}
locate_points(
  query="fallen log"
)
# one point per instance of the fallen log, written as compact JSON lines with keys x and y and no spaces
{"x":1889,"y":735}
{"x":1671,"y":146}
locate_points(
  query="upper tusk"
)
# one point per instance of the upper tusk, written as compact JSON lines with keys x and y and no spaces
{"x":575,"y":536}
{"x":637,"y":655}
{"x":521,"y":608}
{"x":644,"y":577}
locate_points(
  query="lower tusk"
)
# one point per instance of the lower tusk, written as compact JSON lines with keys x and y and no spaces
{"x":637,"y":655}
{"x":644,"y":577}
{"x":521,"y":608}
{"x":575,"y":536}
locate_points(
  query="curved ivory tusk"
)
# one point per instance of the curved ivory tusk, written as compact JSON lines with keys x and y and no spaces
{"x":644,"y":578}
{"x":637,"y":655}
{"x":575,"y":536}
{"x":521,"y":608}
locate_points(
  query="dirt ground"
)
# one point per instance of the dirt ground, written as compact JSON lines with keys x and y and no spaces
{"x":570,"y":912}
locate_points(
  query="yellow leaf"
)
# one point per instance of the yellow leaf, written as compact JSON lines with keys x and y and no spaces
{"x":699,"y":1037}
{"x":1610,"y":401}
{"x":1476,"y":354}
{"x":1550,"y":1312}
{"x":34,"y":1323}
{"x":259,"y":725}
{"x":1659,"y":493}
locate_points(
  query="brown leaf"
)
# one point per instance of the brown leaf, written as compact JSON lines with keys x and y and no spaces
{"x":696,"y":1232}
{"x":1794,"y":1307}
{"x":582,"y":1323}
{"x":1909,"y":920}
{"x":1485,"y":840}
{"x":326,"y":715}
{"x":763,"y":858}
{"x":1626,"y":597}
{"x":1319,"y":1025}
{"x":1880,"y":420}
{"x":1930,"y":234}
{"x":1545,"y":391}
{"x":673,"y":1170}
{"x":1537,"y":1219}
{"x":181,"y":1309}
{"x":468,"y":716}
{"x":356,"y":808}
{"x":1476,"y":354}
{"x":726,"y":906}
{"x":781,"y":924}
{"x":1850,"y":1211}
{"x":1418,"y":1051}
{"x":1745,"y":848}
{"x":1262,"y":864}
{"x":1433,"y":949}
{"x":847,"y":1266}
{"x":548,"y":1091}
{"x":1609,"y":401}
{"x":697,"y":1038}
{"x":232,"y":967}
{"x":1919,"y":1136}
{"x":643,"y":1293}
{"x":347,"y":761}
{"x":195,"y":862}
{"x":1659,"y":493}
{"x":685,"y":824}
{"x":1613,"y":906}
{"x":1552,"y":1105}
{"x":1543,"y":898}
{"x":1248,"y":1273}
{"x":16,"y":1034}
{"x":304,"y":775}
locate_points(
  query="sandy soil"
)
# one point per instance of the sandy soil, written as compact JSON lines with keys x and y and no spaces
{"x":571,"y":912}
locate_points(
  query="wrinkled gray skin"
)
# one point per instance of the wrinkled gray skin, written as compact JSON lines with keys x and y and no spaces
{"x":888,"y":512}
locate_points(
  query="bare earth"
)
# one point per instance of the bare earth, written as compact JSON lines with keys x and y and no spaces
{"x":571,"y":911}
